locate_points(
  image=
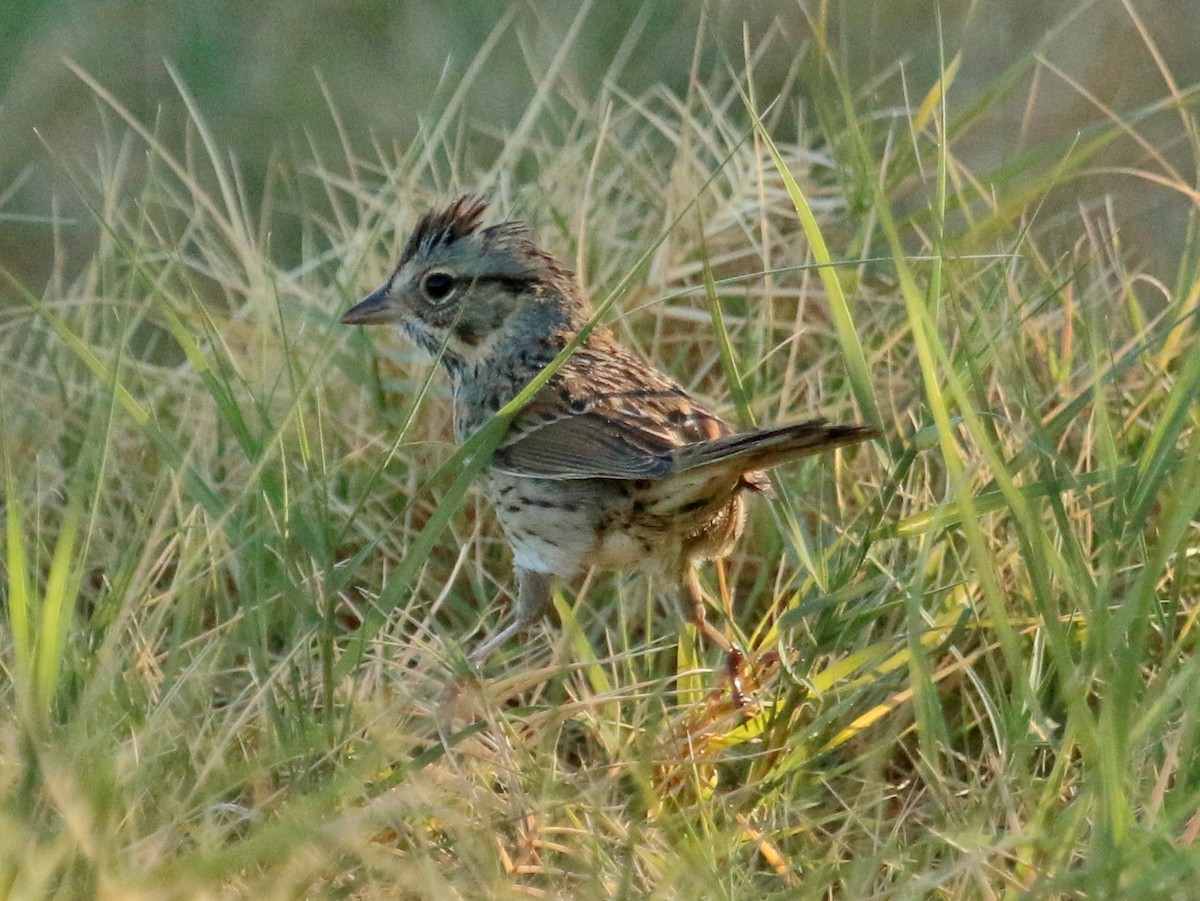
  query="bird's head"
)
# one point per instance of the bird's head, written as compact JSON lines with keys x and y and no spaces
{"x":459,"y":290}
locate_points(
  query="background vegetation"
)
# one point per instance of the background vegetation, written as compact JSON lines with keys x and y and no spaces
{"x":240,"y":569}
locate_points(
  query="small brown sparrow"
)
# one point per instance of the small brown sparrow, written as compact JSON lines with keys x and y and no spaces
{"x":612,"y":464}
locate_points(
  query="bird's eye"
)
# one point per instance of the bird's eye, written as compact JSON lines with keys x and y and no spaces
{"x":437,"y":285}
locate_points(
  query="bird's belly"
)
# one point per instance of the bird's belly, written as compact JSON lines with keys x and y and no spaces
{"x":565,"y":527}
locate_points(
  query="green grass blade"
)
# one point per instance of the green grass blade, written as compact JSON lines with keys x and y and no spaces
{"x":57,"y":612}
{"x":1159,"y":455}
{"x":839,"y":309}
{"x":19,"y":592}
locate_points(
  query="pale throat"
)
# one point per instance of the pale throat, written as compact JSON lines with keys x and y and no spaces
{"x":478,"y":385}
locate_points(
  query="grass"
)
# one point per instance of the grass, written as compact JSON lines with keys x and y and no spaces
{"x":242,"y":559}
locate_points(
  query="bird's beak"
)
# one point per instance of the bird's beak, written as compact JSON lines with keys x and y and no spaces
{"x":371,"y":311}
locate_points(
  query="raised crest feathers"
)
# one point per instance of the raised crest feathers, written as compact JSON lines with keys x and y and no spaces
{"x":445,"y":226}
{"x":518,"y":255}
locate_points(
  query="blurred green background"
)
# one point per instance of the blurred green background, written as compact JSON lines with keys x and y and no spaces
{"x":257,"y":69}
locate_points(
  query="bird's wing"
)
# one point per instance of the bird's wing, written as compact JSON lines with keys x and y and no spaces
{"x":584,"y":446}
{"x":605,"y":415}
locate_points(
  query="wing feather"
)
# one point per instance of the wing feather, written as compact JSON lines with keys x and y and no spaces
{"x":605,"y":415}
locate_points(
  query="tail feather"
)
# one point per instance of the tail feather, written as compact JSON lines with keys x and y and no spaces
{"x":764,"y":448}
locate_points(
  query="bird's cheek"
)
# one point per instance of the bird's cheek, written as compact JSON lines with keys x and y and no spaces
{"x":468,"y":333}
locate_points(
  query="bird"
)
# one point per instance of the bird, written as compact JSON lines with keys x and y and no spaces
{"x":612,"y":464}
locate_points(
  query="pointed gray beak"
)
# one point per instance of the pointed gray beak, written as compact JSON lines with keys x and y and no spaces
{"x":373,"y":310}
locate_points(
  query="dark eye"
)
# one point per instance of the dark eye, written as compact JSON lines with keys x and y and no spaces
{"x":437,"y":285}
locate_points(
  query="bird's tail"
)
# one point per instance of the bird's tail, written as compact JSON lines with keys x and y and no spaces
{"x":761,"y":449}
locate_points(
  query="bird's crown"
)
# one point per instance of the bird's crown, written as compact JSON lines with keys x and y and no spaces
{"x":452,"y":235}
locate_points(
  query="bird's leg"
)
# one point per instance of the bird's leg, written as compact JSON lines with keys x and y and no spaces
{"x":533,"y":599}
{"x":693,"y":602}
{"x":723,"y":588}
{"x":735,"y":658}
